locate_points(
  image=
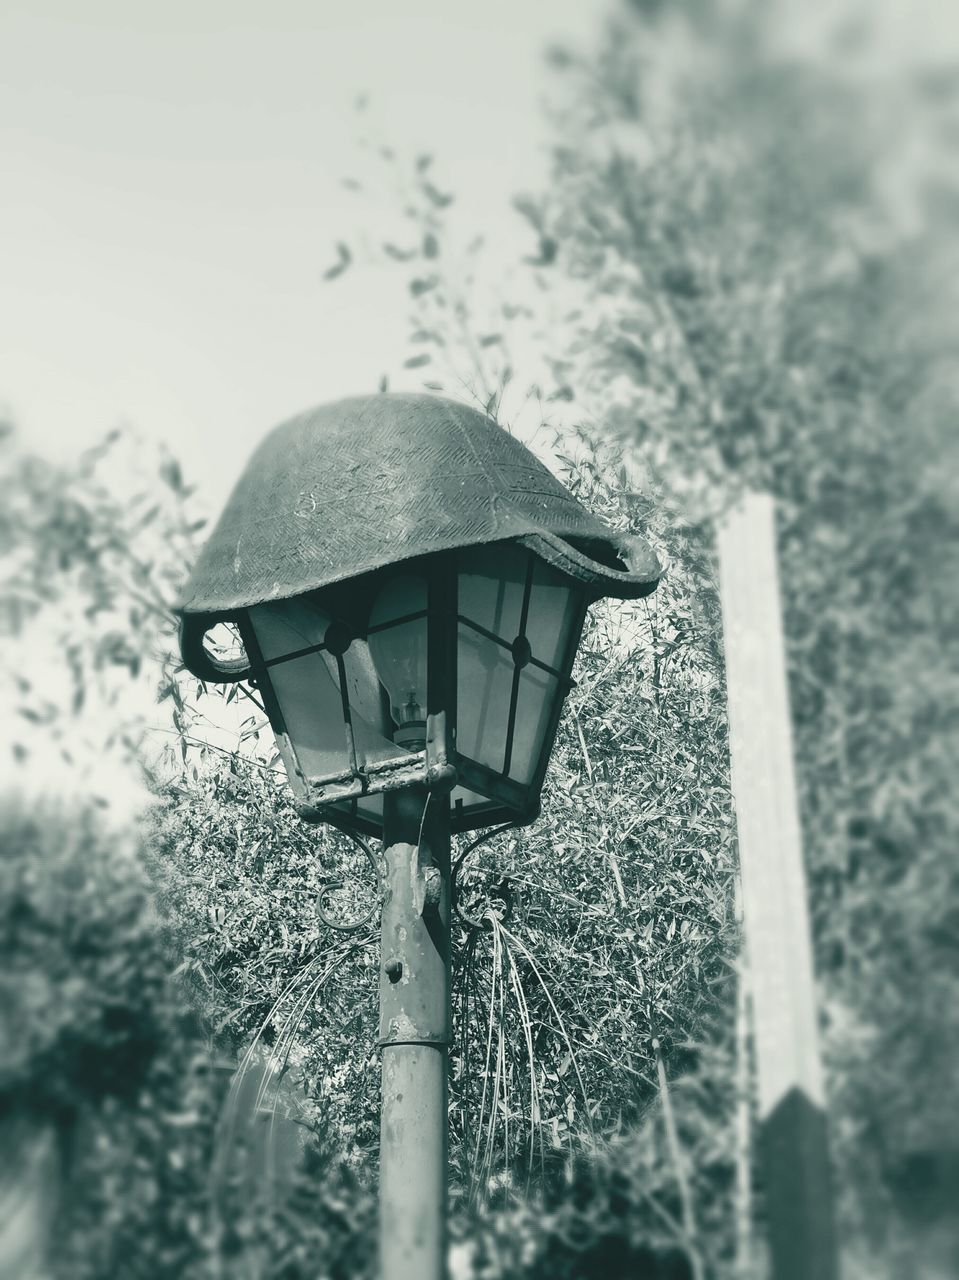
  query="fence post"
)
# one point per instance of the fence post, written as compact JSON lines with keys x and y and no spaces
{"x":792,"y":1121}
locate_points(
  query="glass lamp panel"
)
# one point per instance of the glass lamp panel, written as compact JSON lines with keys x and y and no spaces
{"x":535,"y":698}
{"x":368,"y":809}
{"x":399,"y":649}
{"x":372,"y":730}
{"x":491,"y":584}
{"x":509,"y":594}
{"x":307,"y":689}
{"x":466,"y":805}
{"x":552,"y":614}
{"x":484,"y":684}
{"x":490,"y":591}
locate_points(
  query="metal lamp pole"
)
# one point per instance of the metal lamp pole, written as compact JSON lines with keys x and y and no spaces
{"x":415,"y":1028}
{"x":415,"y":1007}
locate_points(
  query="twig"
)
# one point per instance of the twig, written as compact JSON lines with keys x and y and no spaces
{"x":679,"y":1166}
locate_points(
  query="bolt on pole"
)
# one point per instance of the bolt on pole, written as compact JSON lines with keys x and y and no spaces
{"x":415,"y":1030}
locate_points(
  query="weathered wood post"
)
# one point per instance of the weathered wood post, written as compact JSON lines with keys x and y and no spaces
{"x":793,"y":1146}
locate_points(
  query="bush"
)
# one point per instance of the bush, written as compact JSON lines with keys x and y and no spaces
{"x":82,"y":981}
{"x":99,"y":1048}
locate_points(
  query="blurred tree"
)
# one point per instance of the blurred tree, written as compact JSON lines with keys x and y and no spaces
{"x":710,"y":273}
{"x":114,"y":1087}
{"x":105,"y":1060}
{"x":753,"y":316}
{"x":734,"y":270}
{"x":92,"y":550}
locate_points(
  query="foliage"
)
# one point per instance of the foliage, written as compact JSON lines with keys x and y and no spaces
{"x":723,"y":284}
{"x":756,"y":326}
{"x":92,"y":551}
{"x":80,"y":1018}
{"x":87,"y":1019}
{"x":720,"y":286}
{"x":98,"y":1043}
{"x":586,"y":979}
{"x":598,"y":938}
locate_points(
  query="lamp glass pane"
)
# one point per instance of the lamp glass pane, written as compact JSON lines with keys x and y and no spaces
{"x":484,"y":684}
{"x":367,"y":808}
{"x":535,"y":697}
{"x":308,"y":692}
{"x":399,"y":649}
{"x":495,"y":583}
{"x":462,"y":799}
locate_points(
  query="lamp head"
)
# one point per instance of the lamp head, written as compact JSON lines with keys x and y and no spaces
{"x":410,"y":585}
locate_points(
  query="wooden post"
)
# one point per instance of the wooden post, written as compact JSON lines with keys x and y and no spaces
{"x":793,"y":1147}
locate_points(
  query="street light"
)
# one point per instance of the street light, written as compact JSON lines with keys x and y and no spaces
{"x":409,"y":584}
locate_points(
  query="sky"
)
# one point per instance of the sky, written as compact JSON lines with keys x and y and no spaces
{"x":173,"y":192}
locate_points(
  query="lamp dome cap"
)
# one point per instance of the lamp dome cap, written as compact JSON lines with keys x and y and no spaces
{"x":351,"y":487}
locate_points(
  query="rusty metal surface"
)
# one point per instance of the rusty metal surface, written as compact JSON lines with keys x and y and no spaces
{"x":415,"y":1032}
{"x":350,"y":487}
{"x":413,"y":1162}
{"x":415,"y":960}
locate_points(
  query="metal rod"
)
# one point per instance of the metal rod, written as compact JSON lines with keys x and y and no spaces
{"x":415,"y":1033}
{"x":517,"y":670}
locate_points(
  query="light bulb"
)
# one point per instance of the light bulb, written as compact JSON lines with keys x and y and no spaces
{"x":399,"y":652}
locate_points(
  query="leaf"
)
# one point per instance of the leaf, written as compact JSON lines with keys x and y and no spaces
{"x":548,"y":250}
{"x":559,"y":57}
{"x":439,"y":198}
{"x":35,"y":717}
{"x":422,"y":285}
{"x":397,"y":254}
{"x":417,"y":362}
{"x":431,"y":246}
{"x":344,"y":259}
{"x":527,"y":207}
{"x":171,"y":474}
